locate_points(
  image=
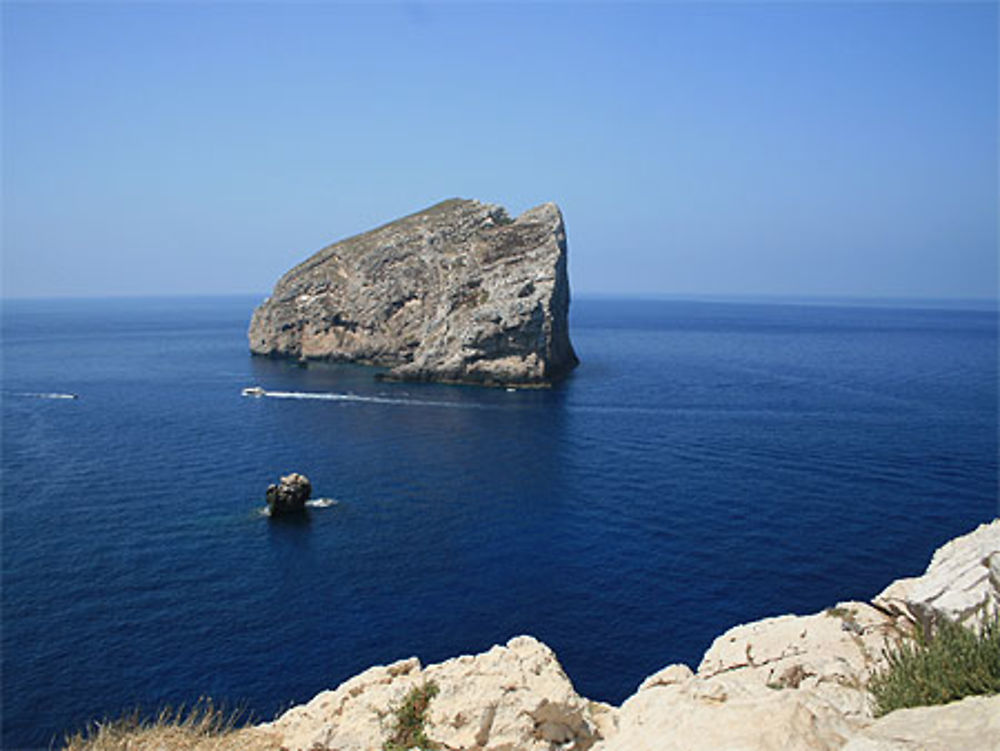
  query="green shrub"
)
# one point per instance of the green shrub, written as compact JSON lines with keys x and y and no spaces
{"x":410,"y":718}
{"x":951,"y":663}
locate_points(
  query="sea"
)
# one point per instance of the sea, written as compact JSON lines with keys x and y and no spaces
{"x":708,"y":464}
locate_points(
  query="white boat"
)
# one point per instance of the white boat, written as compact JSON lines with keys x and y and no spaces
{"x":253,"y":391}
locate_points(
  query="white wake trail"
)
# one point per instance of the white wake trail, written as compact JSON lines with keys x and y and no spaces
{"x":44,"y":395}
{"x":355,"y":398}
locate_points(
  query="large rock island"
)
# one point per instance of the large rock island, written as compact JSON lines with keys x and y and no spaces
{"x":458,"y":292}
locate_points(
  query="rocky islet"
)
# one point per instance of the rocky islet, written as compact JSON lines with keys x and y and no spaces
{"x":289,"y":495}
{"x":459,"y":292}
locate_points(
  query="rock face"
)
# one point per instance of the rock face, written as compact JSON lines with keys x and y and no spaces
{"x":789,"y":683}
{"x":972,"y":724}
{"x":511,"y":697}
{"x":289,"y":496}
{"x":961,"y":584}
{"x":783,"y":683}
{"x":458,"y":292}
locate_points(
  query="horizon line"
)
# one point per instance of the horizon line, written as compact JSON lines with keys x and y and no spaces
{"x":989,"y":303}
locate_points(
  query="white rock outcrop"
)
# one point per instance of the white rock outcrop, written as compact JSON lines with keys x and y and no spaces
{"x":831,"y":654}
{"x":352,"y":717}
{"x":511,"y":697}
{"x":972,"y":724}
{"x":784,"y":683}
{"x":715,"y":716}
{"x":962,"y":582}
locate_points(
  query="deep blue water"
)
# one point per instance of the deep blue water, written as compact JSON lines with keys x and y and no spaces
{"x":707,"y":464}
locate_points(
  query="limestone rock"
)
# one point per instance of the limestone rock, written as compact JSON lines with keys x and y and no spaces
{"x":512,"y":697}
{"x":353,"y":717}
{"x":972,"y":724}
{"x":832,"y":654}
{"x":711,"y":715}
{"x":458,"y":292}
{"x":289,"y":495}
{"x":668,"y":676}
{"x":961,"y":583}
{"x":790,"y":682}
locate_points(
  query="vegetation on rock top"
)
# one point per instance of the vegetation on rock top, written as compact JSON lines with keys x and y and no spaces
{"x":411,"y":716}
{"x":950,"y":664}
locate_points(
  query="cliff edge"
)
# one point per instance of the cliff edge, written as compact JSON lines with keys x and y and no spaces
{"x":458,"y":292}
{"x":788,"y":683}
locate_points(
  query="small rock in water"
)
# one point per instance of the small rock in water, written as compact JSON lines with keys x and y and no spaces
{"x":289,"y":495}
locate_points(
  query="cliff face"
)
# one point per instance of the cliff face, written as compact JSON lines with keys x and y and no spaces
{"x":458,"y":292}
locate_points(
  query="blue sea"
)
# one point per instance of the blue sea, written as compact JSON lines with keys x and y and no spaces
{"x":708,"y":464}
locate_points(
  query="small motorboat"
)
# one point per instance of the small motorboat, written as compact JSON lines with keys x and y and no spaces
{"x":253,"y":391}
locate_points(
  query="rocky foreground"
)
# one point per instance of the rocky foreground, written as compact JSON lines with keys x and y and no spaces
{"x":458,"y":292}
{"x":784,"y":684}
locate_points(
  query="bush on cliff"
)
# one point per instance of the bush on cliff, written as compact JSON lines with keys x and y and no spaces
{"x":410,"y":718}
{"x":951,"y":663}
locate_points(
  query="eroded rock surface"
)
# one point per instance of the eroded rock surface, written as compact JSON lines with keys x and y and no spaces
{"x":962,"y":582}
{"x":514,"y":696}
{"x":972,"y":724}
{"x":699,"y":715}
{"x":458,"y":292}
{"x":790,"y":682}
{"x":289,"y":496}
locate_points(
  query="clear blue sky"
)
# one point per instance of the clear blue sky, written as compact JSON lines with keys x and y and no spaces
{"x":695,"y":149}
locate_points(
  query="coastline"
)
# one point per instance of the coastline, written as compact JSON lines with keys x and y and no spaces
{"x":784,"y":682}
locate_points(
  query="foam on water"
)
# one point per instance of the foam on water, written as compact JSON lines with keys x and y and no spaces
{"x":314,"y":503}
{"x":42,"y":395}
{"x":339,"y":397}
{"x":322,"y":502}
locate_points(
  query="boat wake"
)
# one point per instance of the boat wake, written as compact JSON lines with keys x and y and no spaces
{"x":43,"y":395}
{"x":355,"y":398}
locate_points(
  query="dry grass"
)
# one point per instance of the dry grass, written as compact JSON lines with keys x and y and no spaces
{"x":203,"y":727}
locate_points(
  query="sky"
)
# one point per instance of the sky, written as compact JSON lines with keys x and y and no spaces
{"x":695,"y":149}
